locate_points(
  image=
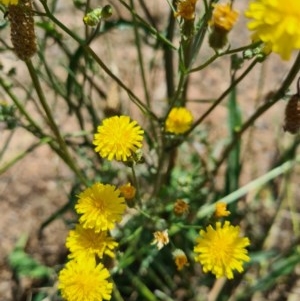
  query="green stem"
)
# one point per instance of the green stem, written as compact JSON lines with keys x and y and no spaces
{"x":136,"y":184}
{"x":67,"y":157}
{"x":185,"y":58}
{"x":217,"y":55}
{"x":141,"y":64}
{"x":152,"y":218}
{"x":168,"y":56}
{"x":208,"y":62}
{"x":201,"y":30}
{"x":20,"y":107}
{"x":223,"y":95}
{"x":116,"y":293}
{"x":151,"y":29}
{"x":33,"y":127}
{"x":182,"y":226}
{"x":140,"y":56}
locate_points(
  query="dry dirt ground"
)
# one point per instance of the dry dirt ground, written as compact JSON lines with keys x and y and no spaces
{"x":37,"y":186}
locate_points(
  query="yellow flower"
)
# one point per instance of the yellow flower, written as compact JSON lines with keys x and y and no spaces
{"x":181,"y":207}
{"x":118,"y":137}
{"x":84,"y":281}
{"x":85,"y":243}
{"x":161,"y":238}
{"x":221,"y":210}
{"x":276,"y":23}
{"x":180,"y":259}
{"x":128,"y":191}
{"x":223,"y":17}
{"x":186,"y":9}
{"x":179,"y":120}
{"x":222,"y":250}
{"x":100,"y":207}
{"x":9,"y":2}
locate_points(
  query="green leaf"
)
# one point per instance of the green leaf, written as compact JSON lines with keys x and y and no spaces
{"x":24,"y":265}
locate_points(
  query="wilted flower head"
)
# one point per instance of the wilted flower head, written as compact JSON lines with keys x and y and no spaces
{"x":118,"y":138}
{"x":276,"y":23}
{"x":186,"y":9}
{"x":180,"y":259}
{"x":179,"y":120}
{"x":181,"y":207}
{"x":224,"y":17}
{"x":222,"y":250}
{"x":161,"y":238}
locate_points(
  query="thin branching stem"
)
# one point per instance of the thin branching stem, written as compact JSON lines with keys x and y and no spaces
{"x":294,"y":71}
{"x":223,"y":95}
{"x":67,"y":157}
{"x":91,"y":52}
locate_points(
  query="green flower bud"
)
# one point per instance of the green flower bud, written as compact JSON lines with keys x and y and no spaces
{"x":94,"y":17}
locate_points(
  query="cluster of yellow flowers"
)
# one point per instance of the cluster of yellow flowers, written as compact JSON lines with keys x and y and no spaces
{"x":100,"y":207}
{"x":84,"y":278}
{"x":219,"y":247}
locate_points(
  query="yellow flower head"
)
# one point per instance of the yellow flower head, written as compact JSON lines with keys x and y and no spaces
{"x":128,"y":191}
{"x":179,"y":120}
{"x":161,"y":238}
{"x":181,"y":207}
{"x":9,"y":2}
{"x":221,"y":210}
{"x":276,"y":23}
{"x":100,"y":207}
{"x":222,"y":250}
{"x":186,"y":9}
{"x":180,"y":259}
{"x":223,"y":17}
{"x":84,"y":281}
{"x":86,"y":243}
{"x":118,"y":138}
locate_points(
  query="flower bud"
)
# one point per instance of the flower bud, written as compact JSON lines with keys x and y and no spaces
{"x":94,"y":17}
